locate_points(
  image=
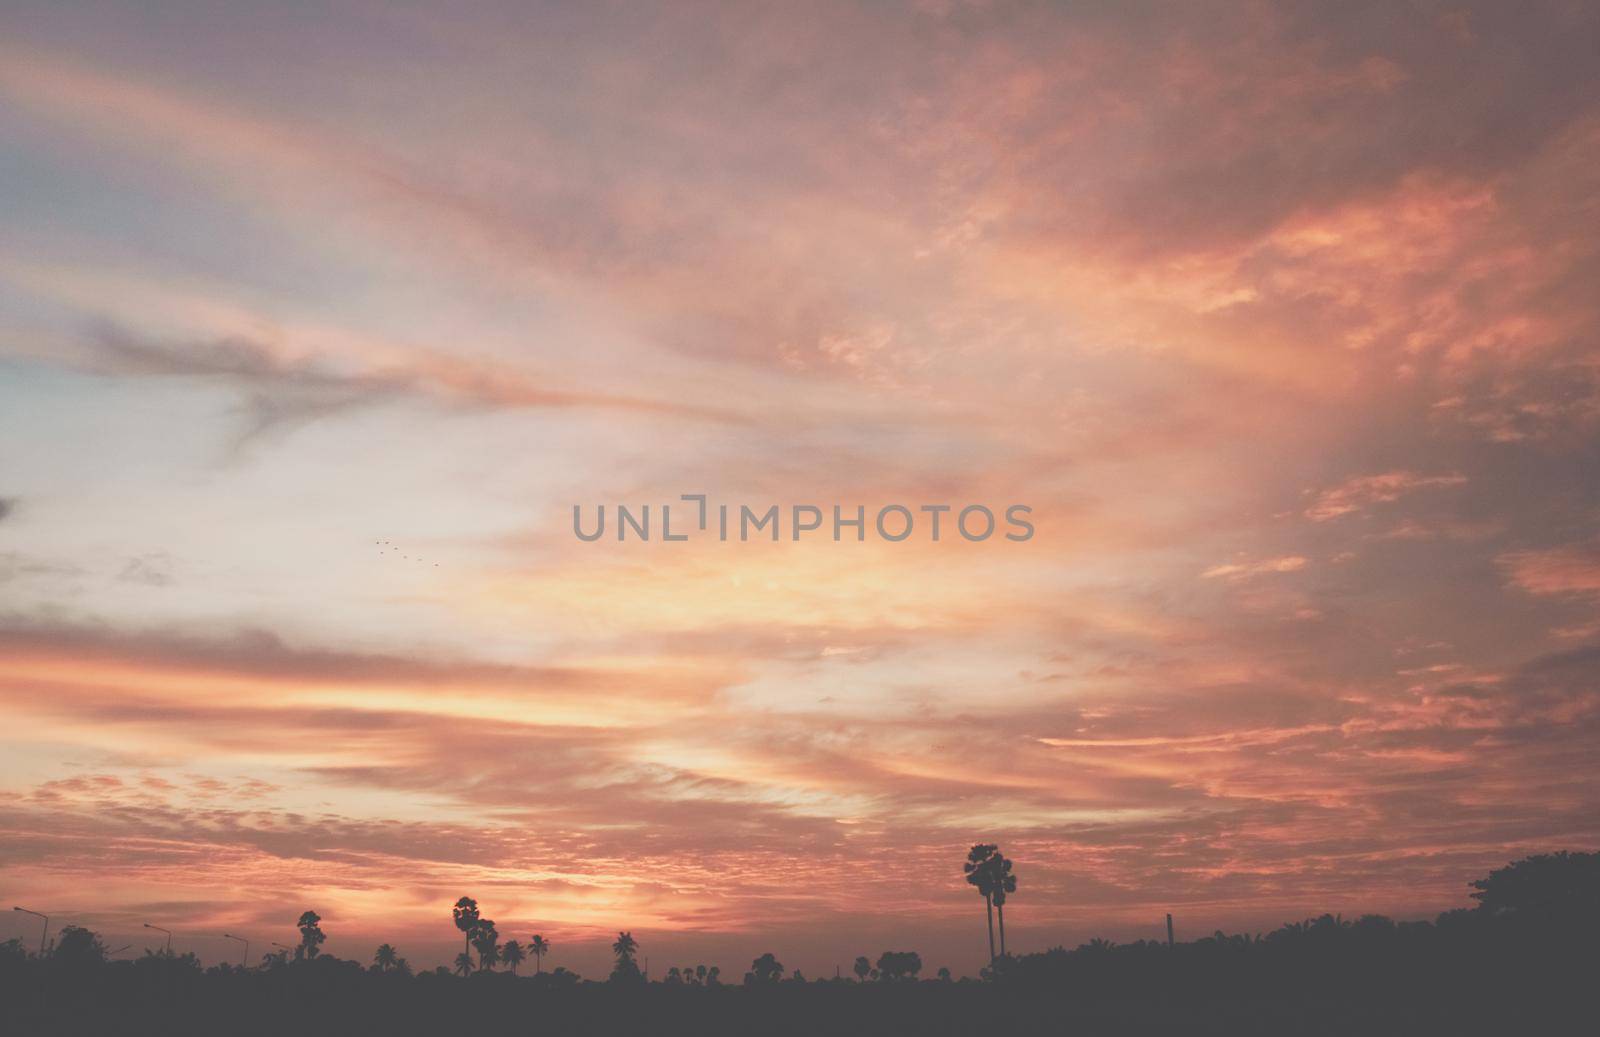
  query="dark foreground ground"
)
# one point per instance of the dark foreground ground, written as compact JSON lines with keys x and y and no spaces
{"x":1341,"y":981}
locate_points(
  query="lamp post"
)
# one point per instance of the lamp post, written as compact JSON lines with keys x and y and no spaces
{"x":42,"y":934}
{"x":245,"y":963}
{"x":158,"y":929}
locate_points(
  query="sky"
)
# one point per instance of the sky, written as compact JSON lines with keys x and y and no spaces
{"x":317,"y":321}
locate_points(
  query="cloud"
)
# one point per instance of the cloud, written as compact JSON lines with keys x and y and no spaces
{"x":7,"y":506}
{"x":1567,"y":570}
{"x":149,"y":570}
{"x":1152,"y":275}
{"x":1361,"y":492}
{"x":1242,"y":570}
{"x":288,"y":384}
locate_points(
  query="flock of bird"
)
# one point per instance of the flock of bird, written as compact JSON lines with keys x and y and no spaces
{"x":387,"y":547}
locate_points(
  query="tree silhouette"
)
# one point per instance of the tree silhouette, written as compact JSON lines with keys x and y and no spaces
{"x":311,"y":935}
{"x":1543,"y":885}
{"x":896,"y":965}
{"x":767,"y":968}
{"x":981,"y":875}
{"x":77,"y":947}
{"x":512,"y":955}
{"x":486,"y":941}
{"x":465,"y":914}
{"x":464,"y":964}
{"x":385,"y":958}
{"x":538,"y":947}
{"x":862,"y":967}
{"x":626,"y":969}
{"x":1004,"y":884}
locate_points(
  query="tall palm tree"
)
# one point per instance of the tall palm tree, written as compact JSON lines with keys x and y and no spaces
{"x":463,"y":964}
{"x":980,"y":874}
{"x":512,"y":955}
{"x":1004,"y":883}
{"x":626,"y":970}
{"x":465,"y":914}
{"x":385,"y":958}
{"x":538,"y":947}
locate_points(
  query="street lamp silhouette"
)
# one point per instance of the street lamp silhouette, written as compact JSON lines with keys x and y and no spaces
{"x":245,"y":962}
{"x":158,"y":929}
{"x":43,"y":934}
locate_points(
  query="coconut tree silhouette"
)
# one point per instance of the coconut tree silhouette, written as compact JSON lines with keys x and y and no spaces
{"x":625,"y":947}
{"x":311,"y":935}
{"x":465,"y":914}
{"x":538,"y":946}
{"x":862,"y":967}
{"x":980,"y":874}
{"x":512,"y":954}
{"x":464,"y":964}
{"x":385,"y":958}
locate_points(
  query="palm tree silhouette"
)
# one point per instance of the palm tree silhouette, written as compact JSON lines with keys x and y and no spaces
{"x":538,"y":947}
{"x":980,"y":874}
{"x":463,"y":964}
{"x":465,"y":914}
{"x":862,"y":967}
{"x":386,"y":958}
{"x":512,"y":955}
{"x":486,"y":940}
{"x":311,"y":935}
{"x":1005,"y":883}
{"x":625,"y":971}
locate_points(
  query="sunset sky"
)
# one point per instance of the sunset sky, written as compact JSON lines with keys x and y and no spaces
{"x":315,"y":323}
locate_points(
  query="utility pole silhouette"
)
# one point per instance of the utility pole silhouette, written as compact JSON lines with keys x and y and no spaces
{"x":1169,"y":930}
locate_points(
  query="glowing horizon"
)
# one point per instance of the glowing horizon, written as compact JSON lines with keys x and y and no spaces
{"x":313,"y":331}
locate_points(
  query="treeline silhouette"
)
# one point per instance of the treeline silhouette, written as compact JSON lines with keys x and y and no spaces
{"x":1524,"y":960}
